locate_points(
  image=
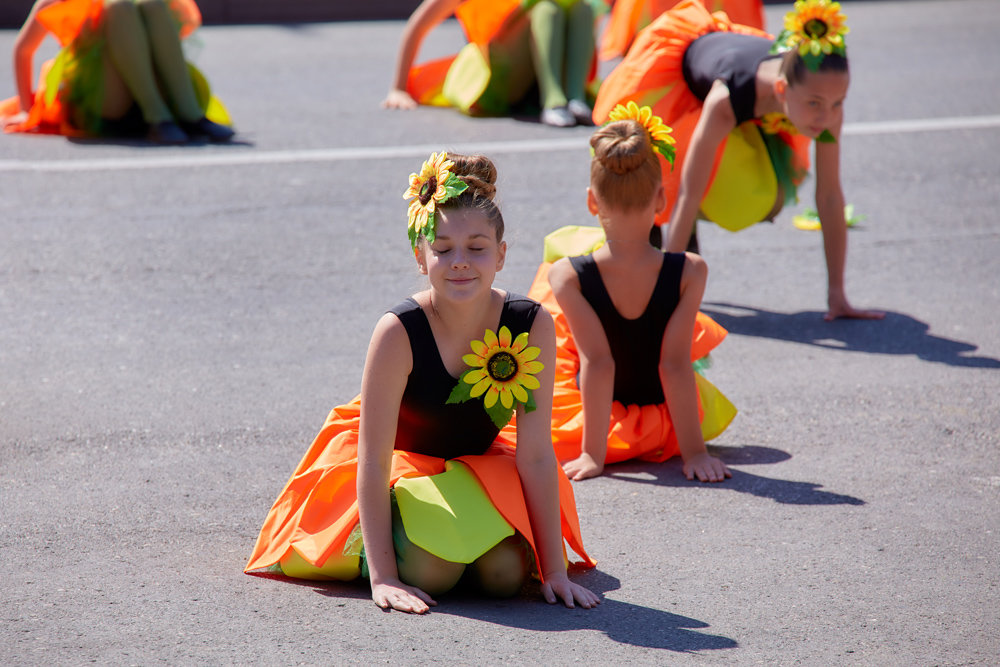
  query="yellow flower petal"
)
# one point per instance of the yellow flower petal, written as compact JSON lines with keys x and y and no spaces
{"x":473,"y":360}
{"x":532,"y":367}
{"x":475,"y":375}
{"x":519,"y":392}
{"x":491,"y":396}
{"x":530,"y":382}
{"x":479,"y":347}
{"x":490,"y":339}
{"x":417,"y":215}
{"x":506,"y":397}
{"x":519,"y":343}
{"x":480,"y":387}
{"x":528,"y":354}
{"x":504,"y":339}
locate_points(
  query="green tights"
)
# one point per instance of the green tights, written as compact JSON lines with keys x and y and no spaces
{"x":562,"y":47}
{"x":144,"y":48}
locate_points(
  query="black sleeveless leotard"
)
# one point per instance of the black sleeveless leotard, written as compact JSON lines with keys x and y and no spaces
{"x":427,"y":425}
{"x":635,"y":344}
{"x":731,"y":57}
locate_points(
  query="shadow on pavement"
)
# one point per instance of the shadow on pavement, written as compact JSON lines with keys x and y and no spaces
{"x":623,"y":622}
{"x":670,"y":473}
{"x":142,"y":142}
{"x":897,"y":334}
{"x":620,"y":621}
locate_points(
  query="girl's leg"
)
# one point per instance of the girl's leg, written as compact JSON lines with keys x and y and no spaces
{"x":418,"y":567}
{"x":168,"y":59}
{"x":502,"y":570}
{"x":129,"y":51}
{"x":117,"y":98}
{"x":548,"y":50}
{"x":579,"y":49}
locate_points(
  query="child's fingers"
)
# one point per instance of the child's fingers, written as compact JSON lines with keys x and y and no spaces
{"x":547,"y":593}
{"x":410,"y":603}
{"x":587,"y":598}
{"x":424,"y":596}
{"x":567,"y":598}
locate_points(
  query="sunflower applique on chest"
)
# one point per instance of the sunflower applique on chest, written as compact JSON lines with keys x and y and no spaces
{"x":502,"y":371}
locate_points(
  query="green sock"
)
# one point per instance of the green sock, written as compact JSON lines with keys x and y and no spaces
{"x":548,"y":50}
{"x":579,"y":50}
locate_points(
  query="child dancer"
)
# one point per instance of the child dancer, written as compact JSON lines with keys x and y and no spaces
{"x":120,"y":72}
{"x":512,"y":44}
{"x":745,"y":108}
{"x":625,"y":387}
{"x":419,"y":457}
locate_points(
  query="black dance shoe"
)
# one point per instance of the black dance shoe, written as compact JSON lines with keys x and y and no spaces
{"x":167,"y":133}
{"x":203,"y":128}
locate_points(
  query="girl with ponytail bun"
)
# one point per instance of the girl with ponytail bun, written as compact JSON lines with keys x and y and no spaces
{"x":627,"y":321}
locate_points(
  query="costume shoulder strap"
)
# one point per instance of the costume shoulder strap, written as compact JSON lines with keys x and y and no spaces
{"x":414,"y":320}
{"x":518,"y":313}
{"x":667,"y":293}
{"x":592,"y":286}
{"x":670,"y":274}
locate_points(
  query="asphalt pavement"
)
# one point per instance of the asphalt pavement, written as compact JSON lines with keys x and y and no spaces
{"x":175,"y":324}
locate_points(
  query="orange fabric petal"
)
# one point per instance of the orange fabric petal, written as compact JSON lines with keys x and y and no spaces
{"x":317,"y":510}
{"x":497,"y":472}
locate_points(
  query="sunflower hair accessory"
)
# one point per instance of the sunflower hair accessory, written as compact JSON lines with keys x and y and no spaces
{"x":659,"y":134}
{"x":502,"y":371}
{"x":434,"y":185}
{"x":816,"y":28}
{"x":777,"y":123}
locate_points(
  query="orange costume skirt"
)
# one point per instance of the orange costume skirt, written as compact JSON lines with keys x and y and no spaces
{"x":68,"y":97}
{"x":753,"y":175}
{"x":312,"y":531}
{"x":494,"y":71}
{"x":630,"y":16}
{"x":635,"y":432}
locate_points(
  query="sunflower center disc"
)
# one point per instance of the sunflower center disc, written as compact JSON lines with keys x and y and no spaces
{"x":815,"y":28}
{"x":502,"y":366}
{"x":427,"y":190}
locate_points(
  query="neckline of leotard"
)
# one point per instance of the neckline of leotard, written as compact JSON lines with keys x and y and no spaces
{"x":652,"y":296}
{"x":429,"y":331}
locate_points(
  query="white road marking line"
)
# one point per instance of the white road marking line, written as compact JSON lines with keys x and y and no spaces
{"x":923,"y":125}
{"x":237,"y":156}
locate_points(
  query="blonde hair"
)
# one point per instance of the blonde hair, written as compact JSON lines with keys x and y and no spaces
{"x":625,"y":171}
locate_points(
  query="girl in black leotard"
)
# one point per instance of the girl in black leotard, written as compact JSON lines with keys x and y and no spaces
{"x":743,"y":118}
{"x":419,"y":459}
{"x":631,"y":311}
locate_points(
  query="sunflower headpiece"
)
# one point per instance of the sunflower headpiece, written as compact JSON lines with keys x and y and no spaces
{"x":816,"y":28}
{"x":502,"y":371}
{"x":659,"y":134}
{"x":434,"y":185}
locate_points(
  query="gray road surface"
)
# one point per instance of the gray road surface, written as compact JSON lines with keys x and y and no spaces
{"x":175,"y":324}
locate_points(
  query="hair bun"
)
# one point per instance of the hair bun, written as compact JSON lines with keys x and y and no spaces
{"x":622,"y":146}
{"x":478,"y":172}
